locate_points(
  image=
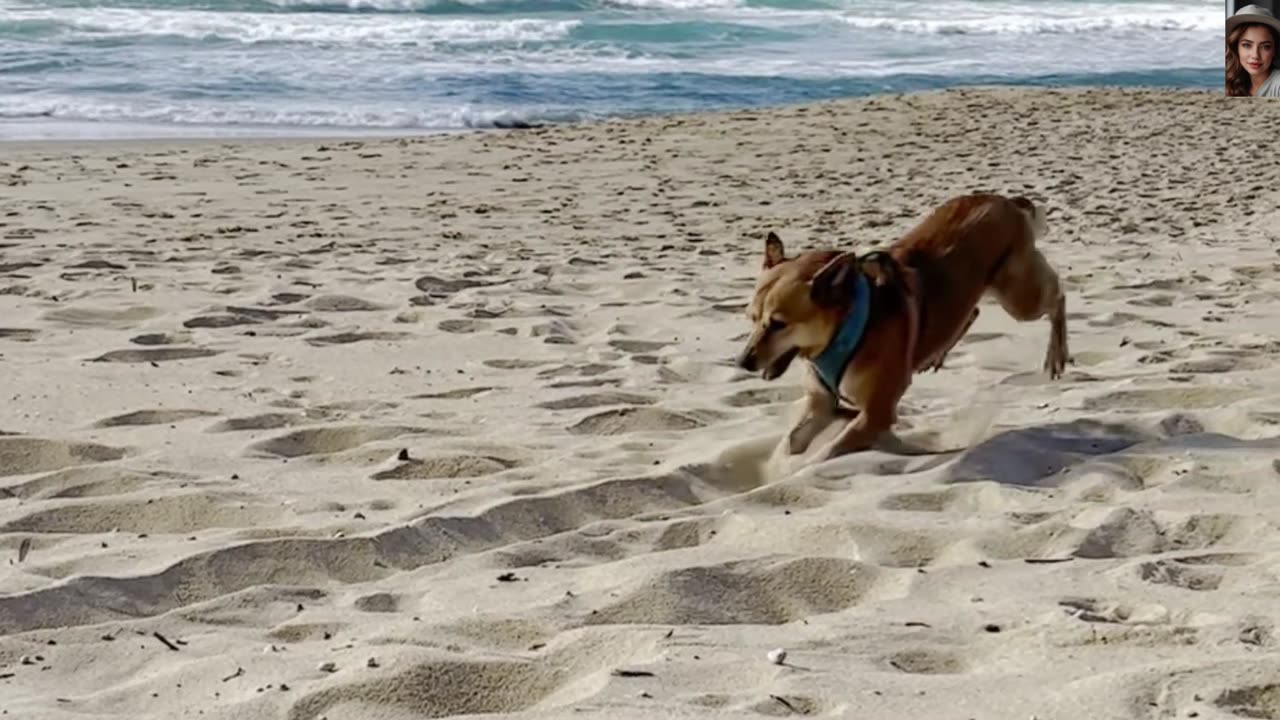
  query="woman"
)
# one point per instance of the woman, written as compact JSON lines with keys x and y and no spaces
{"x":1253,"y":35}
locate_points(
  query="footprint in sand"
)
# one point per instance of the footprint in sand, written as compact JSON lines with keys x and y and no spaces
{"x":97,"y":265}
{"x":446,"y":467}
{"x":638,"y":346}
{"x":579,"y":402}
{"x":368,"y":406}
{"x":156,"y":355}
{"x":1114,"y":319}
{"x":1154,"y":300}
{"x":438,"y":287}
{"x":926,"y":662}
{"x":19,"y":334}
{"x":266,"y":421}
{"x":785,"y":705}
{"x":24,"y":456}
{"x":91,"y":481}
{"x":1164,"y":572}
{"x":598,"y":382}
{"x":747,"y":592}
{"x":219,"y":321}
{"x":1254,"y":701}
{"x":120,"y":319}
{"x":1126,"y":532}
{"x":442,"y":687}
{"x":1218,"y":365}
{"x":587,"y":370}
{"x":459,"y":394}
{"x":556,"y":332}
{"x":348,"y":338}
{"x":152,"y":417}
{"x":286,"y":298}
{"x":377,"y":603}
{"x":1179,"y":396}
{"x":342,"y":303}
{"x":462,"y":326}
{"x":516,"y":364}
{"x":264,"y":314}
{"x":324,"y":440}
{"x":152,"y":339}
{"x":636,"y":419}
{"x":165,"y":514}
{"x":954,"y":499}
{"x":302,"y":632}
{"x":763,"y":396}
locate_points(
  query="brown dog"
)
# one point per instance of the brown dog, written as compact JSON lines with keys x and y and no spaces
{"x":867,"y":325}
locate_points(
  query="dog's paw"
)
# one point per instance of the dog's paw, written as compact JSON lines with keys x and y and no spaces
{"x":1055,"y":364}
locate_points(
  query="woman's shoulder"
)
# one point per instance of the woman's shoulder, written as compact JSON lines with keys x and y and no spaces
{"x":1271,"y":88}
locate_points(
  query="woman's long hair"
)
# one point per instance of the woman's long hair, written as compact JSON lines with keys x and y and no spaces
{"x":1238,"y":82}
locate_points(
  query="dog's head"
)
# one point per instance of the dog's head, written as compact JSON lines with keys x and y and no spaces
{"x":797,"y":306}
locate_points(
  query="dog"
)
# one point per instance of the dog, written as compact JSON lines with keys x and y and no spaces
{"x":866,"y":325}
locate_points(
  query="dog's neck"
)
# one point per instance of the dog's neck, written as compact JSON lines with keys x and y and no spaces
{"x":830,"y":364}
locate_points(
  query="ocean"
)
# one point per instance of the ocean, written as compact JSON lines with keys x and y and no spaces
{"x":142,"y":68}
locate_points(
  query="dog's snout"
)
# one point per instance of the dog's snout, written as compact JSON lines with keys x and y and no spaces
{"x":747,"y":360}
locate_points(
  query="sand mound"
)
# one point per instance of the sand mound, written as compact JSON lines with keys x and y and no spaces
{"x":23,"y":455}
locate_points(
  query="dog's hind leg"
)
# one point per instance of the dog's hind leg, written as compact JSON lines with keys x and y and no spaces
{"x":1028,"y":289}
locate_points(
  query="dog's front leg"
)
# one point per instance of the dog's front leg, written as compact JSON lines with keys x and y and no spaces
{"x":936,"y":362}
{"x":859,"y":434}
{"x":821,"y":409}
{"x":819,"y":412}
{"x":878,"y":413}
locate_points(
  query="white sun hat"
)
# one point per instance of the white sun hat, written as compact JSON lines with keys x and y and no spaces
{"x":1253,"y":14}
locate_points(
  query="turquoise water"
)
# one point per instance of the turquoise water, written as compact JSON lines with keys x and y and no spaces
{"x":188,"y":67}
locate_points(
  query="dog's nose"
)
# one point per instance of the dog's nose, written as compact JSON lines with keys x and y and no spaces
{"x":747,"y":360}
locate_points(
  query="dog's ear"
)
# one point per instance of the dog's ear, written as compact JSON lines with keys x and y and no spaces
{"x":774,"y":252}
{"x":835,"y":281}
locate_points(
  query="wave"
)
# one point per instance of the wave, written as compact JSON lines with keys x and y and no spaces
{"x":113,"y":25}
{"x":318,"y":116}
{"x":552,"y":103}
{"x":117,"y":23}
{"x":952,"y":16}
{"x":425,"y":7}
{"x":246,"y":28}
{"x":1038,"y":24}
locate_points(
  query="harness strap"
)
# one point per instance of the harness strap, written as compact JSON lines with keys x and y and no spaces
{"x":831,"y":363}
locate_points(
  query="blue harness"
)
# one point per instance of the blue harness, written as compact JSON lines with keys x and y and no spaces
{"x":830,"y":364}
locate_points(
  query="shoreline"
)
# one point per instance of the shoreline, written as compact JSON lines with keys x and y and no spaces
{"x":272,"y":134}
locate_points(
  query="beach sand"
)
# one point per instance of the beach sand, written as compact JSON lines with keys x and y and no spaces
{"x":391,"y":429}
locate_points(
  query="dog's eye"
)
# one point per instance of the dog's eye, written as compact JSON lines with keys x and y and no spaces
{"x":775,"y":325}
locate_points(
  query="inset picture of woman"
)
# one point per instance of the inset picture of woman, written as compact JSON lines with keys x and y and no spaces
{"x":1253,"y":33}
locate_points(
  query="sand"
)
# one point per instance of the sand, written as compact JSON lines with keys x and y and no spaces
{"x":390,"y":429}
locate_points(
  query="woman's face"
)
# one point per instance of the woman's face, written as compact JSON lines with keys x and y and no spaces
{"x":1257,"y":49}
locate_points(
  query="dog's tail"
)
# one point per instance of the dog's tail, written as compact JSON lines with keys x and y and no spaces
{"x":1035,"y":216}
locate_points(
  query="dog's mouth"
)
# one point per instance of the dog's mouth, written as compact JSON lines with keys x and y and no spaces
{"x":775,"y":369}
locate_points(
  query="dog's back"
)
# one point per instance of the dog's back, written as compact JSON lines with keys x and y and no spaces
{"x":956,"y":252}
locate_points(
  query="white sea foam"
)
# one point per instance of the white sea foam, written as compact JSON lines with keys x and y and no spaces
{"x":317,"y":28}
{"x":260,"y":115}
{"x":1041,"y":24}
